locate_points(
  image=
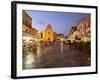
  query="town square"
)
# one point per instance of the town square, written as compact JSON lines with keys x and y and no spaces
{"x":55,"y":39}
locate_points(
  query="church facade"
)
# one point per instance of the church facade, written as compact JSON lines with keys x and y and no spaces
{"x":48,"y":34}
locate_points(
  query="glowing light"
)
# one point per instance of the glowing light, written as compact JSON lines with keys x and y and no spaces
{"x":29,"y":60}
{"x":27,"y":38}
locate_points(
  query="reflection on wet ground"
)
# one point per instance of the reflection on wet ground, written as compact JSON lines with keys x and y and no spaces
{"x":57,"y":55}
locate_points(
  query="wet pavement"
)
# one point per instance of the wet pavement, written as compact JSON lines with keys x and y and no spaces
{"x":57,"y":55}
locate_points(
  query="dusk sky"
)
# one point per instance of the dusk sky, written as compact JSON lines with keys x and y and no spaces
{"x":61,"y":21}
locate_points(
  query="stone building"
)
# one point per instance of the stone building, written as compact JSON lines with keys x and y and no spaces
{"x":48,"y":34}
{"x":72,"y":30}
{"x":72,"y":34}
{"x":27,"y":20}
{"x":60,"y":36}
{"x":82,"y":31}
{"x":27,"y":25}
{"x":34,"y":32}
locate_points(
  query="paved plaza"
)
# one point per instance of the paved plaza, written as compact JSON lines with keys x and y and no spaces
{"x":57,"y":55}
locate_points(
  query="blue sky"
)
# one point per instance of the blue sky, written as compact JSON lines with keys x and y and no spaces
{"x":61,"y":21}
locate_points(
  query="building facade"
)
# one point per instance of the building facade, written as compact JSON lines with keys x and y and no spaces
{"x":27,"y":25}
{"x":84,"y":29}
{"x":72,"y":34}
{"x":82,"y":32}
{"x":48,"y":34}
{"x":60,"y":36}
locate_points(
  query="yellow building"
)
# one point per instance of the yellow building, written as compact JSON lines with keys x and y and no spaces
{"x":48,"y":34}
{"x":55,"y":36}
